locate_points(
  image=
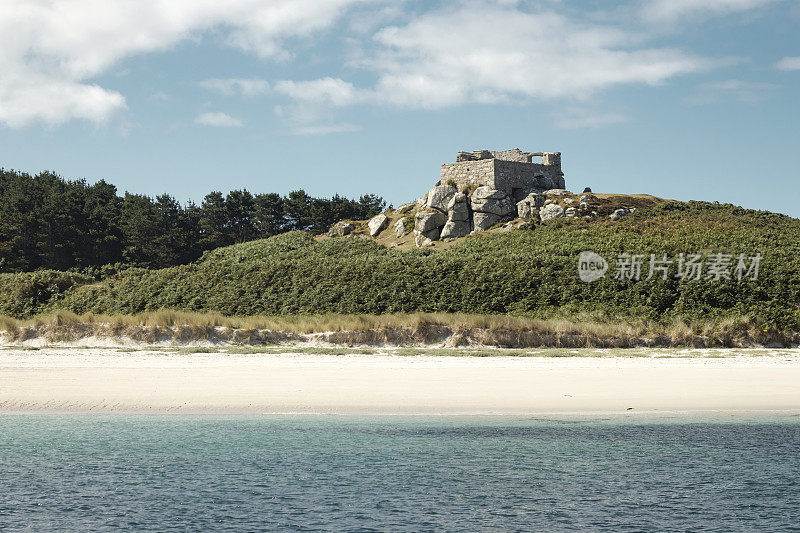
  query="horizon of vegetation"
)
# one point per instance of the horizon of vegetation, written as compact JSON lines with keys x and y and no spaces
{"x":48,"y":222}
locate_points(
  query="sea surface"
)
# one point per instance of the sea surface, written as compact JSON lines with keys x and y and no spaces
{"x":191,"y":473}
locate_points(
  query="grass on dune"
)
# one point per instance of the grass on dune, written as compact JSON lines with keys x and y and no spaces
{"x":198,"y":325}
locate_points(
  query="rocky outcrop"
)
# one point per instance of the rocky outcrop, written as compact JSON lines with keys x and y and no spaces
{"x":422,"y":241}
{"x":484,"y":221}
{"x":458,"y":218}
{"x":405,"y":208}
{"x":400,"y":228}
{"x":340,"y":229}
{"x":481,"y":189}
{"x":619,"y":213}
{"x":490,"y":206}
{"x":521,"y":194}
{"x":458,"y":207}
{"x":487,"y":200}
{"x":528,"y":207}
{"x":428,"y":220}
{"x":454,"y":229}
{"x":551,"y":211}
{"x":527,"y":211}
{"x":377,"y":224}
{"x":439,"y":196}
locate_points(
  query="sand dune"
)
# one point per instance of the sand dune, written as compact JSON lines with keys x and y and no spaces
{"x":109,"y":380}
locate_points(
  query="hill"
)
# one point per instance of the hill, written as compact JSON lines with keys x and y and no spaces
{"x":521,"y":272}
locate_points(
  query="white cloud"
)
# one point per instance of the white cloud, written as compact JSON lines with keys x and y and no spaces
{"x":58,"y":46}
{"x":262,"y":25}
{"x":449,"y":58}
{"x":474,"y":51}
{"x":240,"y":86}
{"x":52,"y":101}
{"x":333,"y":91}
{"x":314,"y":101}
{"x":669,"y":11}
{"x":218,"y":119}
{"x":455,"y":57}
{"x":788,"y":63}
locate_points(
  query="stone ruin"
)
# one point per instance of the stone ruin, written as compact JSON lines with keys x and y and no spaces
{"x":511,"y":171}
{"x":485,"y":187}
{"x":481,"y":189}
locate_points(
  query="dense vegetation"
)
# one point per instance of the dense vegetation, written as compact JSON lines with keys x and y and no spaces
{"x":47,"y":222}
{"x":522,"y":272}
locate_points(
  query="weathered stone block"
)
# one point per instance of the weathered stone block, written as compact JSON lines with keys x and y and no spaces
{"x":454,"y":229}
{"x":458,"y":208}
{"x":458,"y":198}
{"x":551,"y":211}
{"x":377,"y":224}
{"x":484,"y":221}
{"x":485,"y":192}
{"x":487,"y":200}
{"x":533,"y":200}
{"x":619,"y":213}
{"x":528,"y":209}
{"x":429,"y":219}
{"x":340,"y":229}
{"x":521,"y":194}
{"x":439,"y":196}
{"x":460,"y":212}
{"x":400,"y":228}
{"x":422,"y":241}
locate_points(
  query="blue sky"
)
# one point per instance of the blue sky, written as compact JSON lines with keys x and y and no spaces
{"x":678,"y":98}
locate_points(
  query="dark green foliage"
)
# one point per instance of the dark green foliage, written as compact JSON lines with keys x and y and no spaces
{"x":26,"y":294}
{"x":48,"y":222}
{"x":531,"y":273}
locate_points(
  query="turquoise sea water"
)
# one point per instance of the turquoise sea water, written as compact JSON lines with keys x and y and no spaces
{"x":104,"y":472}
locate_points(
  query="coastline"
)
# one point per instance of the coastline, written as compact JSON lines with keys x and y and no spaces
{"x":107,"y":380}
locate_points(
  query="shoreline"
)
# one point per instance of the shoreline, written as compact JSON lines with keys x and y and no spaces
{"x":683,"y":416}
{"x":94,"y":380}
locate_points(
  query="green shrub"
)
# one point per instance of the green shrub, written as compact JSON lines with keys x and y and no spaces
{"x":28,"y":293}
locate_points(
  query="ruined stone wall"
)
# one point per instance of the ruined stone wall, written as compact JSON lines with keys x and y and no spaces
{"x":468,"y":173}
{"x":510,"y":175}
{"x":513,"y":155}
{"x":552,"y":159}
{"x":502,"y":175}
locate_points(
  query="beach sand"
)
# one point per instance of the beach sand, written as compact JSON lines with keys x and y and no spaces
{"x":110,"y":380}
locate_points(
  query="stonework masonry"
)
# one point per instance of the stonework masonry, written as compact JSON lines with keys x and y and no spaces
{"x":505,"y":170}
{"x":480,"y":190}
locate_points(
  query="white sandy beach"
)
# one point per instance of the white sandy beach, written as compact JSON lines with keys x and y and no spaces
{"x":108,"y":380}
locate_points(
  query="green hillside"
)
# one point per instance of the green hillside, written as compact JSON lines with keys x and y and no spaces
{"x":528,"y":272}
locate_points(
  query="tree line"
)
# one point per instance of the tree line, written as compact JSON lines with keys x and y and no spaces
{"x":49,"y":222}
